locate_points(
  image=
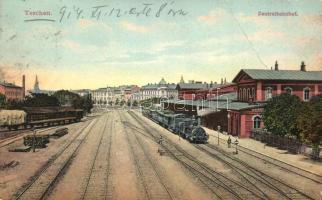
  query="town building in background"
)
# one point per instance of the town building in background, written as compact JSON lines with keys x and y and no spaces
{"x":115,"y":95}
{"x":102,"y":96}
{"x":82,"y":92}
{"x":187,"y":90}
{"x":12,"y":91}
{"x":159,"y":90}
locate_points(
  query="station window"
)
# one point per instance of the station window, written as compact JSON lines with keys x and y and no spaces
{"x":244,"y":94}
{"x":268,"y":93}
{"x":256,"y":122}
{"x":306,"y":94}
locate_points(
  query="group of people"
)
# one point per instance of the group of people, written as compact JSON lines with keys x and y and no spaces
{"x":229,"y":143}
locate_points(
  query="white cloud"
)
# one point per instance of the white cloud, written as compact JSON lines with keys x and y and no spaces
{"x":162,"y":46}
{"x":213,"y":16}
{"x":134,"y":27}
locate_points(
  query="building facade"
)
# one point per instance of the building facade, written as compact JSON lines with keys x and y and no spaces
{"x":102,"y":96}
{"x":159,"y":90}
{"x":256,"y":87}
{"x":12,"y":91}
{"x":192,"y":89}
{"x":115,"y":95}
{"x":239,"y":106}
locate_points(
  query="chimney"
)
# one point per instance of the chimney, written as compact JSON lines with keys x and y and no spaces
{"x":303,"y":67}
{"x":23,"y":86}
{"x":276,"y":66}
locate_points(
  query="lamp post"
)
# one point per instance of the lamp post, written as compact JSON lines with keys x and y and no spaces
{"x":218,"y":130}
{"x":217,"y":97}
{"x":33,"y":140}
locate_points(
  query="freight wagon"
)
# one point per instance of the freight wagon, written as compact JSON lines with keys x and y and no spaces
{"x":39,"y":117}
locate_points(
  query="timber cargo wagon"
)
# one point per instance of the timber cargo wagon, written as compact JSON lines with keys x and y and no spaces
{"x":51,"y":116}
{"x":12,"y":119}
{"x":59,"y":133}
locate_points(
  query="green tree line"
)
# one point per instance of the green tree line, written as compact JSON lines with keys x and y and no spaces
{"x":59,"y":98}
{"x":287,"y":115}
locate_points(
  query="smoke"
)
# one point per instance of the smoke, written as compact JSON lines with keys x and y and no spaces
{"x":2,"y":74}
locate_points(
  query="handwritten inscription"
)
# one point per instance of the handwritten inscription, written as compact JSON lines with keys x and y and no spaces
{"x":103,"y":12}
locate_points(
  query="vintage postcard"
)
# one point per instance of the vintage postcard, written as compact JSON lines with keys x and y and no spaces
{"x":160,"y":99}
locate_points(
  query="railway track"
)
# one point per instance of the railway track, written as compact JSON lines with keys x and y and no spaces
{"x":154,"y":186}
{"x":221,"y":186}
{"x":97,"y":182}
{"x":280,"y":164}
{"x":44,"y":180}
{"x":271,"y":188}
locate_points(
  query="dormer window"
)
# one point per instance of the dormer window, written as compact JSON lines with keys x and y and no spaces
{"x":288,"y":90}
{"x":306,"y":94}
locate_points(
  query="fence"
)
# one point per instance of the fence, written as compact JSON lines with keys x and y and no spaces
{"x":290,"y":144}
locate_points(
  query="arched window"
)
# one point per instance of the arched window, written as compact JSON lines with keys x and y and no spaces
{"x":244,"y":94}
{"x":256,"y":122}
{"x":240,"y":94}
{"x":288,"y":90}
{"x":248,"y":94}
{"x":306,"y":94}
{"x":268,"y":93}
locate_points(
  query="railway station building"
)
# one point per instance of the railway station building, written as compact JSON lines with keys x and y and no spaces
{"x":240,"y":111}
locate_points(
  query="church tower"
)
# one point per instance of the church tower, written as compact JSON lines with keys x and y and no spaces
{"x":181,"y":80}
{"x":36,"y":86}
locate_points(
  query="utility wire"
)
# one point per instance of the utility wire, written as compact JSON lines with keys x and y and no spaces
{"x":245,"y":35}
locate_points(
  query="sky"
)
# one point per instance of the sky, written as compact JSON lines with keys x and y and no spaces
{"x":99,"y":43}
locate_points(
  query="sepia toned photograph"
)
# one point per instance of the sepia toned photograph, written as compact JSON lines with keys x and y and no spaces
{"x":160,"y":100}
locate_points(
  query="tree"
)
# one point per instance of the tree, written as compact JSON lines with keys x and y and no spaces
{"x":66,"y":98}
{"x":135,"y":103}
{"x":88,"y":103}
{"x":280,"y":115}
{"x":40,"y":100}
{"x":122,"y":102}
{"x":78,"y":102}
{"x":310,"y":124}
{"x":2,"y":101}
{"x":14,"y":104}
{"x":117,"y":101}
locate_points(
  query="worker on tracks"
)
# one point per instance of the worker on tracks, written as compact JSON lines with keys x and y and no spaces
{"x":160,"y":140}
{"x":229,"y":142}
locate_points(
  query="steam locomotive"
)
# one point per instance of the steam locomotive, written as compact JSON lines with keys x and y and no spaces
{"x":186,"y":126}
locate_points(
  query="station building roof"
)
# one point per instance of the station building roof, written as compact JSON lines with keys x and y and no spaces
{"x":289,"y":75}
{"x":212,"y":104}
